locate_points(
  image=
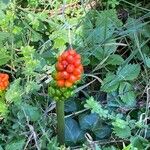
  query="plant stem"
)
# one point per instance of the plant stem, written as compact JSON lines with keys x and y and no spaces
{"x":60,"y":122}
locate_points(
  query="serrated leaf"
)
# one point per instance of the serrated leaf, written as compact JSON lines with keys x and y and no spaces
{"x":110,"y":84}
{"x":127,"y":94}
{"x":128,"y":72}
{"x":73,"y":133}
{"x":122,"y":132}
{"x":15,"y":145}
{"x":88,"y":121}
{"x":115,"y":60}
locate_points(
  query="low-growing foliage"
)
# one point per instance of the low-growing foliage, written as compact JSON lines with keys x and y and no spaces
{"x":109,"y":109}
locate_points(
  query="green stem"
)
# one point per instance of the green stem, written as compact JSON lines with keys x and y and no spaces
{"x":60,"y":122}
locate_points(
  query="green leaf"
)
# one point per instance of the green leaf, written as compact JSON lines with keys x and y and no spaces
{"x":103,"y":132}
{"x":110,"y":84}
{"x":128,"y":72}
{"x":15,"y":145}
{"x":3,"y":109}
{"x":122,"y":132}
{"x":31,"y":111}
{"x":73,"y":133}
{"x":147,"y":60}
{"x":127,"y":94}
{"x":140,"y":143}
{"x":1,"y":148}
{"x":88,"y":121}
{"x":14,"y":93}
{"x":70,"y":106}
{"x":4,"y":57}
{"x":115,"y":60}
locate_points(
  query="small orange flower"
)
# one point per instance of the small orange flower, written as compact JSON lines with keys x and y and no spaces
{"x":4,"y":81}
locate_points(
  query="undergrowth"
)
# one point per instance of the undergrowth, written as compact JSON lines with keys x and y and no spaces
{"x":110,"y":110}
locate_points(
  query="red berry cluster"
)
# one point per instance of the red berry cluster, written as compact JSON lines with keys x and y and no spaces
{"x":4,"y":81}
{"x":69,"y":68}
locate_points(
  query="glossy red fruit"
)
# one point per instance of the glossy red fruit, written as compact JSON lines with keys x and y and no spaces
{"x":59,"y":76}
{"x":78,"y":77}
{"x":65,"y":75}
{"x":77,"y":56}
{"x":77,"y":72}
{"x":59,"y":59}
{"x":70,"y":59}
{"x":59,"y":66}
{"x":64,"y":55}
{"x":64,"y":63}
{"x":61,"y":83}
{"x":77,"y":62}
{"x":81,"y":68}
{"x":70,"y":68}
{"x":68,"y":84}
{"x":72,"y":78}
{"x":72,"y":52}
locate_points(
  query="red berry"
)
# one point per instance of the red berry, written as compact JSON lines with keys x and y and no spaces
{"x":77,"y":72}
{"x":65,"y":74}
{"x":59,"y":66}
{"x":64,"y":63}
{"x":70,"y":59}
{"x":77,"y":56}
{"x":72,"y":78}
{"x":78,"y":77}
{"x":70,"y":68}
{"x":80,"y":67}
{"x":59,"y":58}
{"x":4,"y":81}
{"x":77,"y":62}
{"x":61,"y":83}
{"x":64,"y":55}
{"x":59,"y":76}
{"x":68,"y":84}
{"x":72,"y":52}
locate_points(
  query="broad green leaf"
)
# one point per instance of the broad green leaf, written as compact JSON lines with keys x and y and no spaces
{"x":127,"y":94}
{"x":103,"y":132}
{"x":115,"y":59}
{"x":73,"y":133}
{"x":108,"y":18}
{"x":70,"y":106}
{"x":15,"y":145}
{"x":88,"y":121}
{"x":32,"y":112}
{"x":110,"y":83}
{"x":128,"y":72}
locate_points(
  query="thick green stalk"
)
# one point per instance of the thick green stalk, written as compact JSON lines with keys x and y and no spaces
{"x":60,"y":122}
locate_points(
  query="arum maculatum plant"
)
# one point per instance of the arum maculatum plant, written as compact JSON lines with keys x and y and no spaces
{"x":4,"y":83}
{"x":68,"y":72}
